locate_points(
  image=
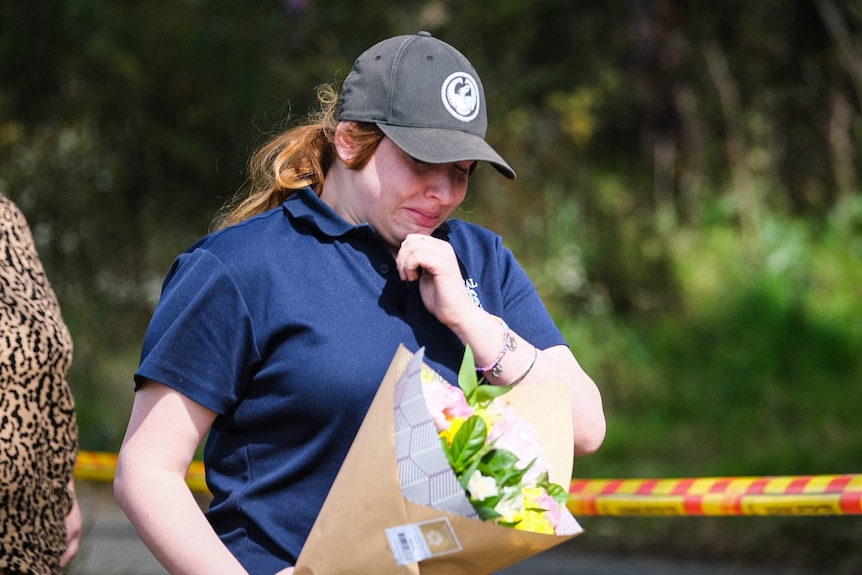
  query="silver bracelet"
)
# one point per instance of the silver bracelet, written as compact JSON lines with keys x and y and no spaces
{"x":529,"y":367}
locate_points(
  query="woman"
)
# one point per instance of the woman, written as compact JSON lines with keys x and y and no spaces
{"x":273,"y":333}
{"x":40,"y":522}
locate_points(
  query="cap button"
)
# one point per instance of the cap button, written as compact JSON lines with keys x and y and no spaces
{"x":423,"y":33}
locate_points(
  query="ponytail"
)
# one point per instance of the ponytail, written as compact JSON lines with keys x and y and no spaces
{"x":296,"y":158}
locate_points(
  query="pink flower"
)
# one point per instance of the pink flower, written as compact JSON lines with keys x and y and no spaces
{"x":445,"y":402}
{"x":518,"y":436}
{"x":553,"y":511}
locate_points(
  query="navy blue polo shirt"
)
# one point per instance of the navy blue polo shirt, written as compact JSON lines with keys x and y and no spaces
{"x":284,"y":325}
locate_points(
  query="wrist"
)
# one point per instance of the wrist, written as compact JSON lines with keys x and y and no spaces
{"x":502,"y":356}
{"x":471,"y":324}
{"x":509,"y":343}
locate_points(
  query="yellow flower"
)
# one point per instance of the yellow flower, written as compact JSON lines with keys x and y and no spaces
{"x":535,"y":521}
{"x":532,"y":496}
{"x":533,"y":517}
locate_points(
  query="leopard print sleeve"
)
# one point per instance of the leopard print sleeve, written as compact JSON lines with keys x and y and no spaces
{"x":38,"y":430}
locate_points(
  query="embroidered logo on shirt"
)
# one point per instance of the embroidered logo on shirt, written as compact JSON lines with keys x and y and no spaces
{"x":471,"y":285}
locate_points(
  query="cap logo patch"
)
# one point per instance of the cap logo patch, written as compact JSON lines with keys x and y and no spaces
{"x":460,"y":96}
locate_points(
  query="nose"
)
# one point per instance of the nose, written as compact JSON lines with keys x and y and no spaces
{"x":444,"y":186}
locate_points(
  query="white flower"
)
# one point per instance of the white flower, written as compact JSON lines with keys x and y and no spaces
{"x":482,"y":487}
{"x":511,"y":505}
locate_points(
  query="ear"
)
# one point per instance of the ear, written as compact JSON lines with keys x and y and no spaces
{"x":345,"y":145}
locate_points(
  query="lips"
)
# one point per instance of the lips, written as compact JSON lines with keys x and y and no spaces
{"x":425,"y":218}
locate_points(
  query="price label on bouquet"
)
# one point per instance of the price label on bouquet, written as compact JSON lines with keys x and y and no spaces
{"x":419,"y":541}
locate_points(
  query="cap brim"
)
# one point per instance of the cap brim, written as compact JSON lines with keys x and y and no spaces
{"x":442,"y":146}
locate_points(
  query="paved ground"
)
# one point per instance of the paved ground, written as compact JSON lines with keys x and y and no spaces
{"x":111,"y":547}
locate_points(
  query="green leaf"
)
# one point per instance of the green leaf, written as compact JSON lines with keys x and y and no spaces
{"x":468,"y":442}
{"x":467,"y":379}
{"x":448,"y":451}
{"x":500,"y":464}
{"x":497,"y":462}
{"x":486,"y":393}
{"x":485,"y":508}
{"x":477,"y":394}
{"x":513,"y":476}
{"x":558,"y":492}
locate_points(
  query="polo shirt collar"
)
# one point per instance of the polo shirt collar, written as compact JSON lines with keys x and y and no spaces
{"x":305,"y":206}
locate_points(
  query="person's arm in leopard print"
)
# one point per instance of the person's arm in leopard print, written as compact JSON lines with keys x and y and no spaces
{"x":38,"y":429}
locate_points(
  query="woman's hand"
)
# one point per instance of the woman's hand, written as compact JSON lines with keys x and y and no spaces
{"x":432,"y":261}
{"x":74,"y":528}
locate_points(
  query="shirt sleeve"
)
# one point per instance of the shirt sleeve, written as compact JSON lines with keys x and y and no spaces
{"x":499,"y":284}
{"x":523,"y":309}
{"x":200,"y":340}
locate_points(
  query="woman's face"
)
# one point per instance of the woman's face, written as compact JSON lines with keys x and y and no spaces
{"x":399,"y":195}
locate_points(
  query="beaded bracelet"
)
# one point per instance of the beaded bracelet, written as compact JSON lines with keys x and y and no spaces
{"x":529,"y":368}
{"x":509,"y":342}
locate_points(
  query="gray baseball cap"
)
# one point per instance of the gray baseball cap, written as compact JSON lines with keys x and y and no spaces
{"x":425,"y":96}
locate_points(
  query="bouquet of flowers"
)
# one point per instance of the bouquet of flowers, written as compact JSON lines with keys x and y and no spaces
{"x":445,"y":481}
{"x":495,"y":454}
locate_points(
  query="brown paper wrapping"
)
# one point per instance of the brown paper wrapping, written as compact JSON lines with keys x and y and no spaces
{"x":349,"y":535}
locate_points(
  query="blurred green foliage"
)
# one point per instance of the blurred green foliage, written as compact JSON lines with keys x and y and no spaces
{"x":757,"y":370}
{"x":687,"y":199}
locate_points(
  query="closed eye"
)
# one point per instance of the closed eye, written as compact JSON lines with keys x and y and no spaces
{"x":463,"y":170}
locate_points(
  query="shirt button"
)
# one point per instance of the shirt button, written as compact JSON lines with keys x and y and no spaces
{"x":384,"y":269}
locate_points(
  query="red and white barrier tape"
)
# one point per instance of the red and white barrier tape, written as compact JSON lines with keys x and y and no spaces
{"x":782,"y":495}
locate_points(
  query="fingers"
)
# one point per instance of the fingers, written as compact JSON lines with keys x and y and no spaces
{"x":433,"y":262}
{"x":420,"y":252}
{"x":74,"y":528}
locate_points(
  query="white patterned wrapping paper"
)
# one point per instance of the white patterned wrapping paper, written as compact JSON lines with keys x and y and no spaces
{"x":425,"y":474}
